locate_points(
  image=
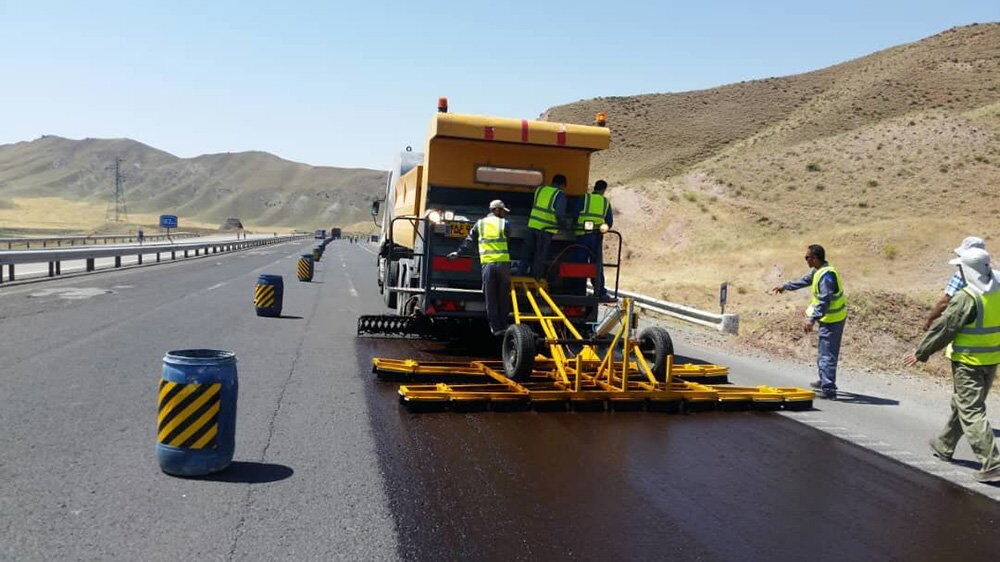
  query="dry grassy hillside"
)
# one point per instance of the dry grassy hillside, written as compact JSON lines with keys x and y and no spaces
{"x":888,"y":160}
{"x":262,"y":189}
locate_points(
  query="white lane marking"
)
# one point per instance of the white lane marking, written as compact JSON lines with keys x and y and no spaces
{"x":71,"y":293}
{"x":123,"y":286}
{"x":216,"y":286}
{"x":350,"y":283}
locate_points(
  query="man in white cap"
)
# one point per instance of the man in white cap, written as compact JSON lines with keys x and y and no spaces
{"x":955,"y":283}
{"x":970,"y":329}
{"x":492,"y":233}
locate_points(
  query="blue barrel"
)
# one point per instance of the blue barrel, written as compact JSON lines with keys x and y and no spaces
{"x":268,"y":295}
{"x":196,"y":414}
{"x":305,"y":267}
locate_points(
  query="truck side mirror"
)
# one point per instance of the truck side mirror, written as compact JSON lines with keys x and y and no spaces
{"x":375,"y":207}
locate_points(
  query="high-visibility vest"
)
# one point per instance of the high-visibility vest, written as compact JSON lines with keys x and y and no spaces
{"x":492,"y":240}
{"x":543,"y":210}
{"x":978,"y":343}
{"x":837,"y":310}
{"x":595,"y":208}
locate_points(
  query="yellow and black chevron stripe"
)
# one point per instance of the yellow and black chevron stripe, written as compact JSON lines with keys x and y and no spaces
{"x":305,"y":270}
{"x":263,"y":296}
{"x":188,"y":414}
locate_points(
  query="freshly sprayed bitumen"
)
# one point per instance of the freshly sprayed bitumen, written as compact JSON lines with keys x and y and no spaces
{"x":633,"y":485}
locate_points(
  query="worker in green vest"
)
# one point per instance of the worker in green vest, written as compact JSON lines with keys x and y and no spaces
{"x":593,"y":220}
{"x":969,"y":331}
{"x":828,"y":308}
{"x":548,"y":214}
{"x":491,"y":234}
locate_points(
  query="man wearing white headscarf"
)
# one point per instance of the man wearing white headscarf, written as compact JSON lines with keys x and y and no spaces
{"x":955,"y":282}
{"x":970,"y":330}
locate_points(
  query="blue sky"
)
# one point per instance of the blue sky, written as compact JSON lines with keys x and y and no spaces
{"x":350,"y":83}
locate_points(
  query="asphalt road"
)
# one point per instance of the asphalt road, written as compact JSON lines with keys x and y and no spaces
{"x":330,"y":467}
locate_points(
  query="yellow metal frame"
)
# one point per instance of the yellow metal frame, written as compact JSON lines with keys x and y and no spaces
{"x":586,"y":377}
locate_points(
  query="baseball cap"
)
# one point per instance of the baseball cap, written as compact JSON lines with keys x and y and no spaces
{"x":970,"y":242}
{"x":498,"y":204}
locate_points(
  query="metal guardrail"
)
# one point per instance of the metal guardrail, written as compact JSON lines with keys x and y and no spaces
{"x":726,"y":323}
{"x":54,"y":258}
{"x":59,"y":241}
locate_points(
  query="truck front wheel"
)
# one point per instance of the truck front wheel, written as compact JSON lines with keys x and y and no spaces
{"x":391,"y":277}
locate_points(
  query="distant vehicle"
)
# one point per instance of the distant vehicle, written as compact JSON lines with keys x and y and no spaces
{"x":320,"y":234}
{"x":335,"y":233}
{"x":432,"y":200}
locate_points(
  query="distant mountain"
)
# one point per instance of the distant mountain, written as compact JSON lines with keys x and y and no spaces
{"x":258,"y":187}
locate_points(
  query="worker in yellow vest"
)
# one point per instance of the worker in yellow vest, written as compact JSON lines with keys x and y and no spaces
{"x":969,"y":331}
{"x":828,"y":308}
{"x":593,"y":220}
{"x":492,"y":233}
{"x":548,"y":215}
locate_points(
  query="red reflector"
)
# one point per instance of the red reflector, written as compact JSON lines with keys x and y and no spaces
{"x":430,"y":310}
{"x":441,"y":263}
{"x":586,"y":270}
{"x":572,"y":311}
{"x":450,"y":305}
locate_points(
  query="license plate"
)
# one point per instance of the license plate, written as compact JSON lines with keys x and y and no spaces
{"x":458,"y":229}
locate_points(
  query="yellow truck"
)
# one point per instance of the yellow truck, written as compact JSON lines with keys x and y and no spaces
{"x":433,"y":198}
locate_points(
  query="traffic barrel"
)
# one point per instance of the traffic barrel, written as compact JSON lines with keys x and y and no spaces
{"x":268,"y":295}
{"x":317,"y":253}
{"x":196,"y":419}
{"x":305,"y":269}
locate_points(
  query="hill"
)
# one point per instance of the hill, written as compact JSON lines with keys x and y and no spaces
{"x":888,"y":160}
{"x":262,"y":189}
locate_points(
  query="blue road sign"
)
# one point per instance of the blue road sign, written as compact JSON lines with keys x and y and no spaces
{"x":168,"y":221}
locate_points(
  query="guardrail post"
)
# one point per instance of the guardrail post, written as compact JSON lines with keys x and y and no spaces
{"x":185,"y":253}
{"x":157,"y":257}
{"x":45,"y":244}
{"x":730,"y":324}
{"x":90,"y":264}
{"x":10,"y":271}
{"x":140,"y":259}
{"x":118,"y":261}
{"x":52,"y":269}
{"x":173,"y":254}
{"x":58,"y":268}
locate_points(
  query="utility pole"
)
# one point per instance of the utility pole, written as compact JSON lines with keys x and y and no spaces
{"x":116,"y":207}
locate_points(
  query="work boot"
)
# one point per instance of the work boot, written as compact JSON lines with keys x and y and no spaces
{"x":827,"y":394}
{"x":988,"y":476}
{"x":937,"y":452}
{"x":816,"y":385}
{"x":606,"y":298}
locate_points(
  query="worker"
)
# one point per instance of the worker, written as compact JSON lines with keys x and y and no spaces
{"x":955,"y":282}
{"x":595,"y":210}
{"x":140,"y":236}
{"x":828,"y":308}
{"x":492,"y":233}
{"x":548,"y":213}
{"x":970,"y":328}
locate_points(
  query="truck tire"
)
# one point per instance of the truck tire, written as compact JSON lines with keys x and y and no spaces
{"x":391,"y":277}
{"x":656,"y":345}
{"x":518,"y":351}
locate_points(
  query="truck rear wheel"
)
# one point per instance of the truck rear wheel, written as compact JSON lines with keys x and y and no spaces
{"x":656,"y":345}
{"x":518,"y":351}
{"x":391,"y":277}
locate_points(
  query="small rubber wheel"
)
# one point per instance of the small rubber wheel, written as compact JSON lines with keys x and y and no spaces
{"x":656,"y":345}
{"x":519,"y":349}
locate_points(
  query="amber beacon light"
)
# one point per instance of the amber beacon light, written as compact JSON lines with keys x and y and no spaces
{"x":602,"y":119}
{"x":442,"y":105}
